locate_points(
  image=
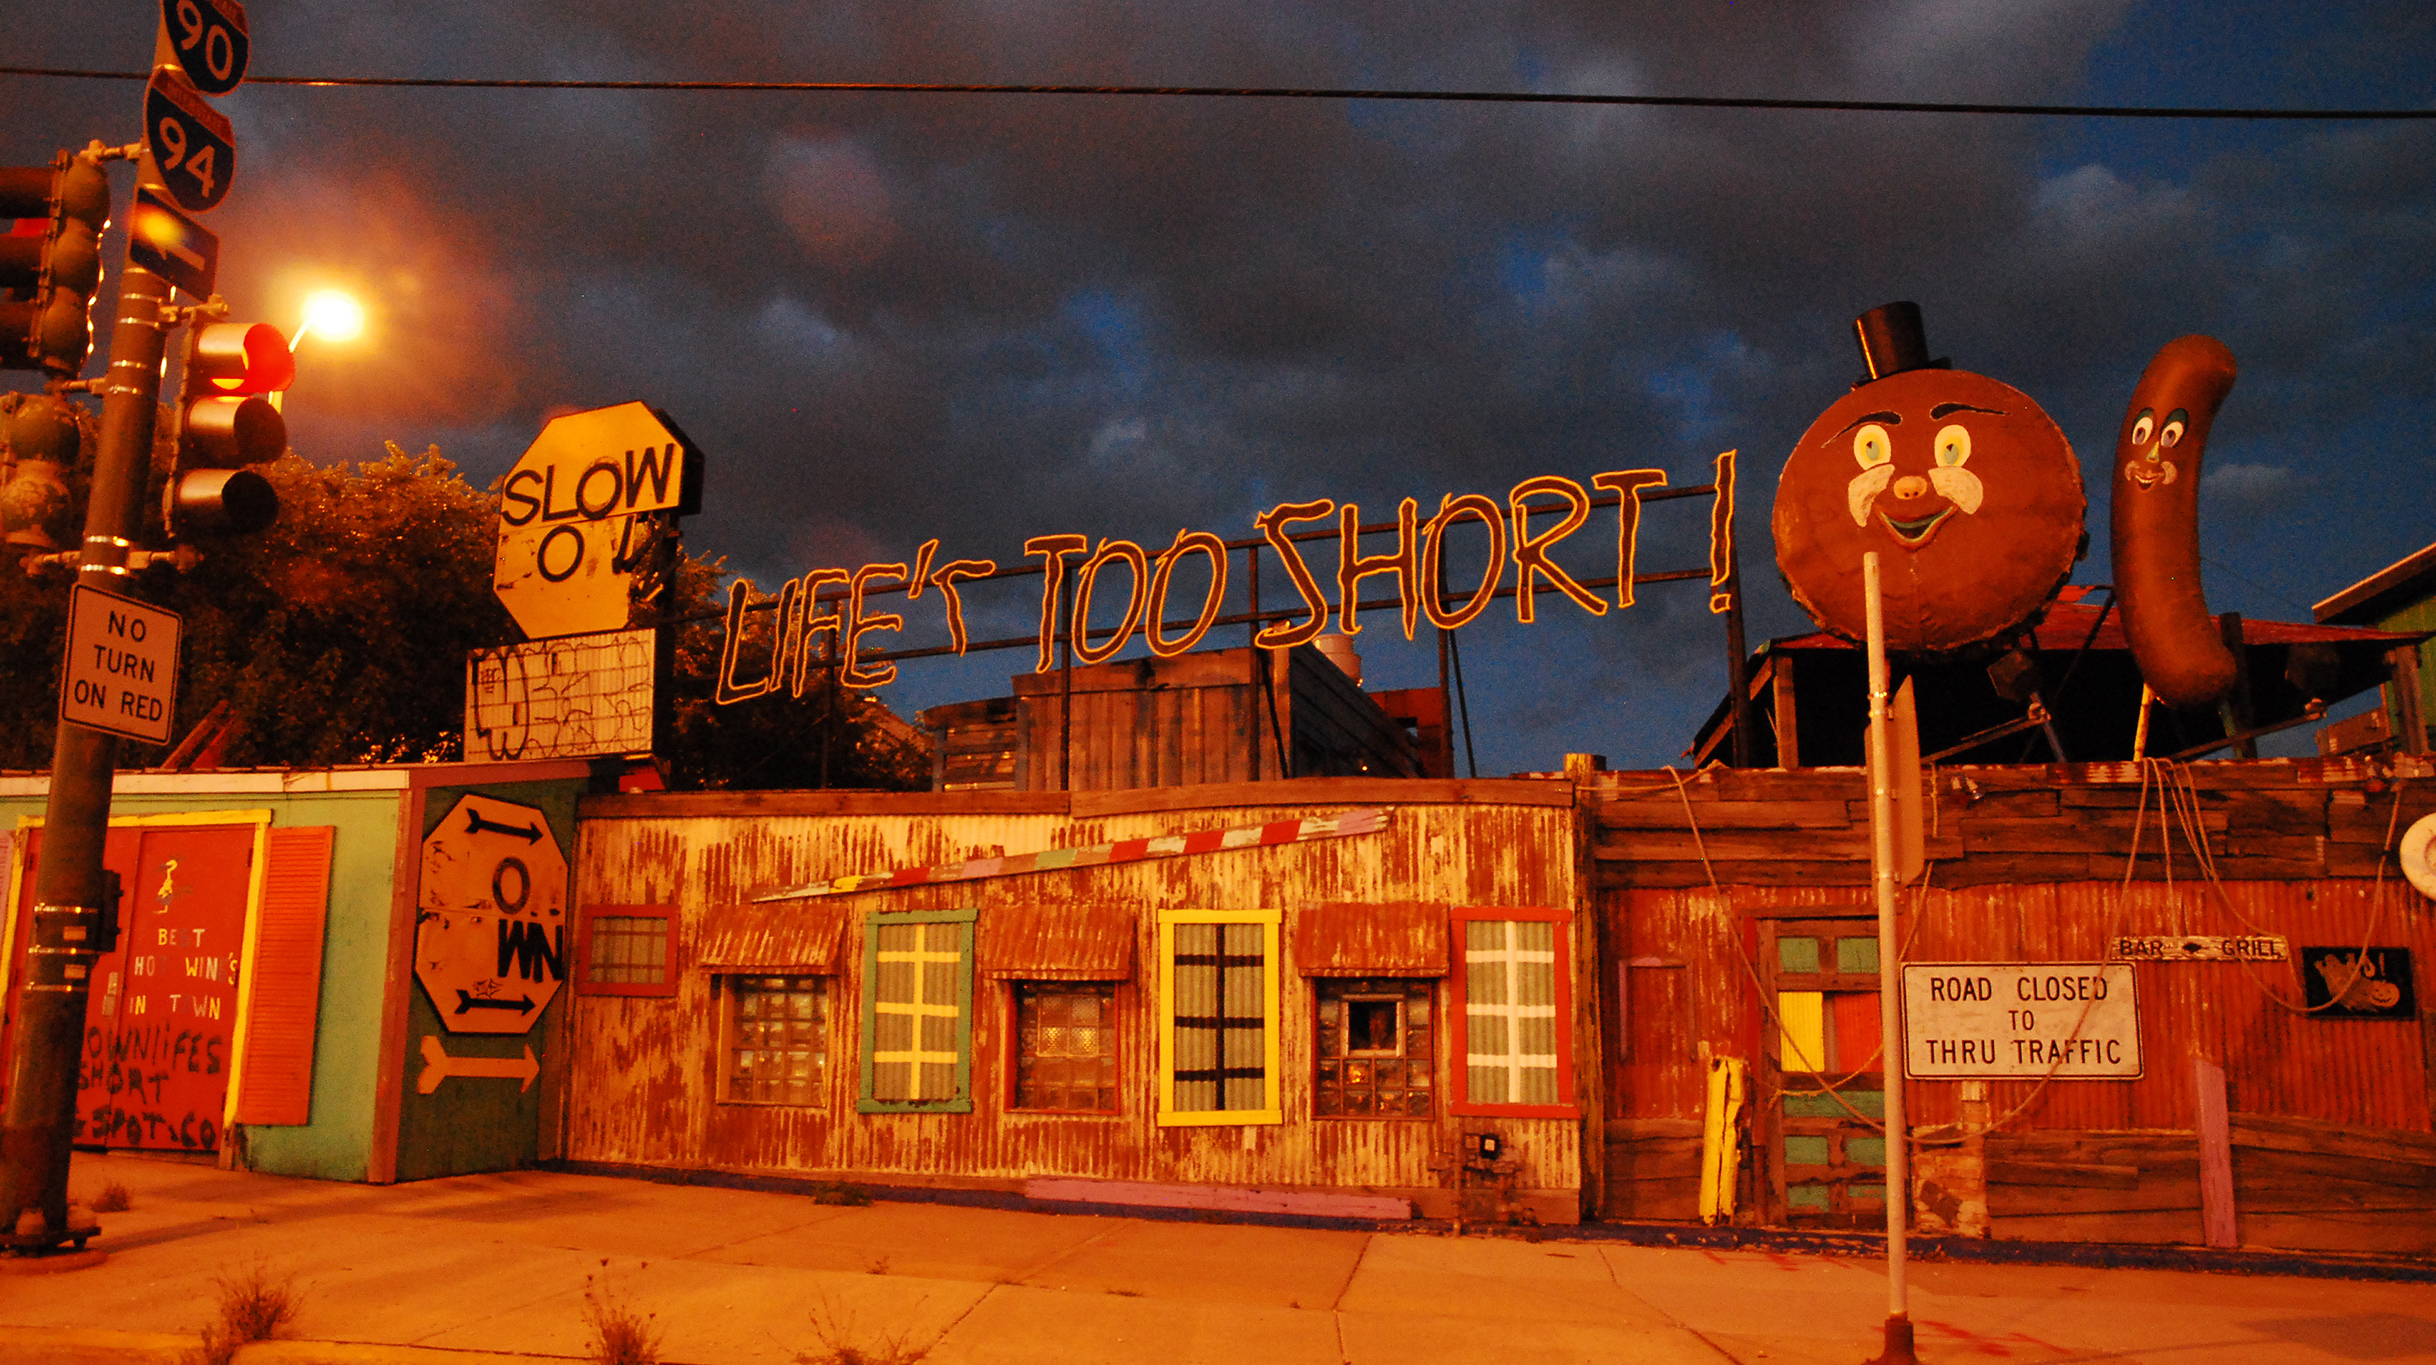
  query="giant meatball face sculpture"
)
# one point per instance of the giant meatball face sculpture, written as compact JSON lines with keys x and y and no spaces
{"x":1967,"y":490}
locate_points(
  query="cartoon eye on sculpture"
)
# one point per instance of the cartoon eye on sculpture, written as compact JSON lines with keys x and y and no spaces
{"x":1966,"y":487}
{"x":1973,"y":499}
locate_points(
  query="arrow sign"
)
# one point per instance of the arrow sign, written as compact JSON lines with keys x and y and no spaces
{"x":172,"y":245}
{"x":475,"y":824}
{"x":466,"y":1001}
{"x":438,"y":1066}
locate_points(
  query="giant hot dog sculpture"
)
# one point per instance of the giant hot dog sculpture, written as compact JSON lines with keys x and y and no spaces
{"x":2156,"y":522}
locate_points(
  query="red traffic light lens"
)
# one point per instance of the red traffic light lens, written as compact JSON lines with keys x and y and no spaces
{"x":240,"y":358}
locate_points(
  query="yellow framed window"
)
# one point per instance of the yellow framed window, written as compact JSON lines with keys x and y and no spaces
{"x":1218,"y":1017}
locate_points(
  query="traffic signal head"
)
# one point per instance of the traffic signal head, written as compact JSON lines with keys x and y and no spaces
{"x":227,"y":419}
{"x":50,"y":264}
{"x":39,"y":441}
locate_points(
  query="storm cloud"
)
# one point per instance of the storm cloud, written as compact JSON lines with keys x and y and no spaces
{"x":890,"y":317}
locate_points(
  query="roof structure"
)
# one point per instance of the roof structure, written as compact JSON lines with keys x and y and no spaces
{"x":2373,"y":597}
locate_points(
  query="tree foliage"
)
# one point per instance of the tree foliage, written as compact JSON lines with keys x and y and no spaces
{"x":340,"y":636}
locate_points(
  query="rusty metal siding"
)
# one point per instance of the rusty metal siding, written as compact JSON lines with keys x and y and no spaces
{"x":644,"y":1068}
{"x":772,"y":938}
{"x":2370,"y":1073}
{"x":1044,"y":940}
{"x":1371,"y":938}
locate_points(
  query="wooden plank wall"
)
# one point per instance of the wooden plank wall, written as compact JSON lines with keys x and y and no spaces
{"x":642,"y":1090}
{"x":2029,"y":864}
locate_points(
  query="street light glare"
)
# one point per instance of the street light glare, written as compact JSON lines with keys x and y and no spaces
{"x":332,"y":315}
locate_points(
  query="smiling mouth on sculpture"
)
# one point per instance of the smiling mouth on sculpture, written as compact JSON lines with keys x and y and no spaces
{"x":2152,"y":475}
{"x":1912,"y":533}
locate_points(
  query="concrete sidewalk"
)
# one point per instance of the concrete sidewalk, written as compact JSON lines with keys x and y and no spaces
{"x":502,"y":1264}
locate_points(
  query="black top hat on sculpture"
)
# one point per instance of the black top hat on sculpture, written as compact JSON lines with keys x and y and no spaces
{"x":1892,"y":341}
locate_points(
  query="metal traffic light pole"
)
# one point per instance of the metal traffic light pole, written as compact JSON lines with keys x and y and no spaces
{"x":70,"y":887}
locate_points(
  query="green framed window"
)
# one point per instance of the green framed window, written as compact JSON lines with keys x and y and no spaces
{"x":917,"y":1047}
{"x":1218,"y":1016}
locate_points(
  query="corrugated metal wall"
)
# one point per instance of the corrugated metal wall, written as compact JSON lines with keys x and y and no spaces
{"x":1688,"y":954}
{"x":642,"y":1089}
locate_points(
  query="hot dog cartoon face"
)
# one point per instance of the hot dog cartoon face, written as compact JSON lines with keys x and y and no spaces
{"x":1965,"y":487}
{"x":2155,"y":532}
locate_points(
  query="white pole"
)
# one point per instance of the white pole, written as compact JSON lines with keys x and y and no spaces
{"x":1890,"y":1016}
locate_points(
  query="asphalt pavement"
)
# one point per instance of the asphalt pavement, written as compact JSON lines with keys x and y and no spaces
{"x":467,"y":1270}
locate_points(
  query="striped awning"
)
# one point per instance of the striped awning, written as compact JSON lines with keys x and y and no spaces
{"x":1090,"y":941}
{"x":1369,"y":938}
{"x":773,"y":938}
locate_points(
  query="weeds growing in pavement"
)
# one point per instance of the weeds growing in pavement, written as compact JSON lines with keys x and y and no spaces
{"x":112,"y":1199}
{"x":842,"y":1344}
{"x":255,"y":1305}
{"x":619,"y":1335}
{"x":840,"y":1192}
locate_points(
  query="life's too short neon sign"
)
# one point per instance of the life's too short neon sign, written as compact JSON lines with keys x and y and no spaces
{"x":1538,"y":513}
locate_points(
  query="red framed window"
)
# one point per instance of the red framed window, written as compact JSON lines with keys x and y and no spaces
{"x":626,"y":950}
{"x":1513,"y":1012}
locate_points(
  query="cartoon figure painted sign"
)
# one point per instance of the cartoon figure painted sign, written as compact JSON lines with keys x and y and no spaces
{"x":1965,"y":486}
{"x":491,"y":917}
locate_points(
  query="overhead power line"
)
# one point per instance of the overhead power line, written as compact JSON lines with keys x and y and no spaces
{"x":1291,"y":93}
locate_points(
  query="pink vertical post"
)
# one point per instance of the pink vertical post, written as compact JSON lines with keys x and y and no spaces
{"x":2215,"y":1153}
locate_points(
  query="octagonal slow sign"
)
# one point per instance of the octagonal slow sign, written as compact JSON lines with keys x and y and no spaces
{"x":491,"y":917}
{"x":567,"y":533}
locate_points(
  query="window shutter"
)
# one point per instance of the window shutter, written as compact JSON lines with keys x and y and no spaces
{"x":275,"y":1070}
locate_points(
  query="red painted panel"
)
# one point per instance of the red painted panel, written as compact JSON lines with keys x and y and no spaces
{"x":158,"y":1030}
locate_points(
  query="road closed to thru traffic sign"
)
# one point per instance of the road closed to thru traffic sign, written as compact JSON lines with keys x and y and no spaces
{"x":2068,"y":1020}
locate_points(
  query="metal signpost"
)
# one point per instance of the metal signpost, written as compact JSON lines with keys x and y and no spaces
{"x":192,"y":145}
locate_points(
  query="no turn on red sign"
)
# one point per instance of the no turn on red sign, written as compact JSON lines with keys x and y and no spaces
{"x":121,"y":671}
{"x":569,"y":535}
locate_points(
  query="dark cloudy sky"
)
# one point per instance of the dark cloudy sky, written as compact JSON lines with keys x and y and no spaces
{"x":981,"y":318}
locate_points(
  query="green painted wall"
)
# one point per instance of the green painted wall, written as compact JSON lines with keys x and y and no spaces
{"x":2417,"y":616}
{"x":337,"y":1143}
{"x":470,"y":1125}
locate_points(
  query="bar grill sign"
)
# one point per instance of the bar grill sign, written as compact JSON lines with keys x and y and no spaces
{"x":2020,"y":1020}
